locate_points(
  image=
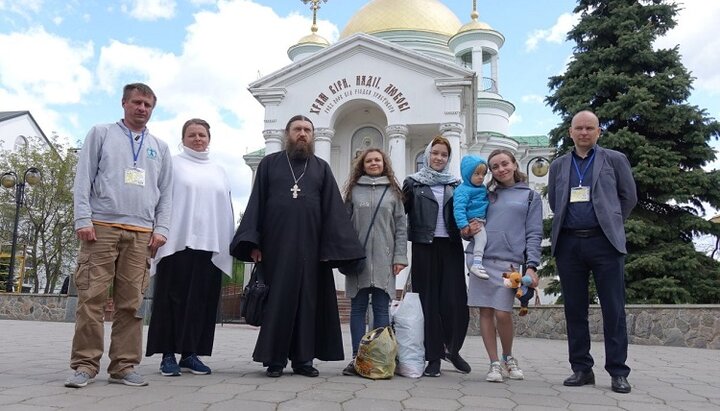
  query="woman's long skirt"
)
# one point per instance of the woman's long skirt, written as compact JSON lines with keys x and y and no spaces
{"x":185,"y":303}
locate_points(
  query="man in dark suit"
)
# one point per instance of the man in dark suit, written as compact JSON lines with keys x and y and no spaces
{"x":591,"y":192}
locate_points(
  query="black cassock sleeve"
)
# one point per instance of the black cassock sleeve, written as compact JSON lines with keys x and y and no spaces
{"x":339,"y":242}
{"x":247,"y":236}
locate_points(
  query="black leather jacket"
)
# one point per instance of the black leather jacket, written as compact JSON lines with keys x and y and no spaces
{"x":422,"y":208}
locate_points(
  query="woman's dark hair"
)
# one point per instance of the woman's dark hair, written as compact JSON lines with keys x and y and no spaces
{"x":358,"y":170}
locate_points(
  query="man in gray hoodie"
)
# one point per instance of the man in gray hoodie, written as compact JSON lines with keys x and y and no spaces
{"x":122,"y":193}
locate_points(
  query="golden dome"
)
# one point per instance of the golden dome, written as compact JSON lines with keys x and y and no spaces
{"x":393,"y":15}
{"x":313,"y":38}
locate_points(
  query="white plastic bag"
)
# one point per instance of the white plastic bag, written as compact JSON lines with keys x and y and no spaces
{"x":409,"y":324}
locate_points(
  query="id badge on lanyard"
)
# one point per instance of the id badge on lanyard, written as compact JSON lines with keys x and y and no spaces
{"x":135,"y":175}
{"x":581,"y":193}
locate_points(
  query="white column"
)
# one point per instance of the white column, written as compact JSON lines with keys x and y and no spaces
{"x":452,"y":132}
{"x":396,"y":149}
{"x":323,"y":140}
{"x":477,"y":61}
{"x":494,"y":72}
{"x":273,"y":140}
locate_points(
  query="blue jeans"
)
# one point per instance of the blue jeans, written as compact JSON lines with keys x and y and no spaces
{"x":358,"y":309}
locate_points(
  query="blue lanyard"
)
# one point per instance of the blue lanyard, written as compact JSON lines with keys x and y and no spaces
{"x":132,"y":145}
{"x":581,"y":176}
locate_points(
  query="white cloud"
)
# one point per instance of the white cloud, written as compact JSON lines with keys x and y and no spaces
{"x":208,"y":78}
{"x":150,"y":9}
{"x":556,"y":34}
{"x":515,"y":118}
{"x":533,"y":98}
{"x":56,"y":76}
{"x":697,"y":36}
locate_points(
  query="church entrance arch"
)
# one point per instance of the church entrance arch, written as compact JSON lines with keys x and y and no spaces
{"x":359,"y":124}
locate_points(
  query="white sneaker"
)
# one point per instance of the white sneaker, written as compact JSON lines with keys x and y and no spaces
{"x":479,"y":271}
{"x":511,"y":369}
{"x":495,"y":372}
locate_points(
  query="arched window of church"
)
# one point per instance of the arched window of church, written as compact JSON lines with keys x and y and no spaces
{"x":20,"y":143}
{"x":364,"y":138}
{"x":419,"y":160}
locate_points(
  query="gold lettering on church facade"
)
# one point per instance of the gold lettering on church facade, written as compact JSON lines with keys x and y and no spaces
{"x":365,"y":85}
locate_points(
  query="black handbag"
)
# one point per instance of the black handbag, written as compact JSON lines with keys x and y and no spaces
{"x":252,"y":303}
{"x":355,"y":267}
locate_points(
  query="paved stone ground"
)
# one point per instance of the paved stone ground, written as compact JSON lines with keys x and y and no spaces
{"x":35,"y":357}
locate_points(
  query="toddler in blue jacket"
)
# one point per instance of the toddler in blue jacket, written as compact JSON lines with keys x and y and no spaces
{"x":470,"y":202}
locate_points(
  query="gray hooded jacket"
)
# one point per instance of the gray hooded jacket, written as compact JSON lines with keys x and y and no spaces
{"x":387,"y":244}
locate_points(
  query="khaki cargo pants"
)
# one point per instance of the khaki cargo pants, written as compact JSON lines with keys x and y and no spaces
{"x":119,"y":258}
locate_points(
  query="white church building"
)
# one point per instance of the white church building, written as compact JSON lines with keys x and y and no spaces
{"x":402,"y":72}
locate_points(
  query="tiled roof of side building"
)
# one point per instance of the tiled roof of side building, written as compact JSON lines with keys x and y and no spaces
{"x":533,"y":141}
{"x":260,"y":153}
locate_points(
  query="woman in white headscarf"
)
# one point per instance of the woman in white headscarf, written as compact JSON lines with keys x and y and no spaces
{"x":437,"y":257}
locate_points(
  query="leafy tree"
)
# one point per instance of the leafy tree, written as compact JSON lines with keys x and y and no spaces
{"x":46,"y":219}
{"x":640,"y":95}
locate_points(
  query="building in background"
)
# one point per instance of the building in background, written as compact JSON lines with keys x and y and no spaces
{"x":402,"y":72}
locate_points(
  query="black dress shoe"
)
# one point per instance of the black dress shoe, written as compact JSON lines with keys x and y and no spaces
{"x":306,"y":370}
{"x":580,"y":378}
{"x":620,"y":384}
{"x":458,"y":362}
{"x":274,"y":371}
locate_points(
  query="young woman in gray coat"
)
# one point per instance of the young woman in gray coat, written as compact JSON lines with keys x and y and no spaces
{"x":386,"y":247}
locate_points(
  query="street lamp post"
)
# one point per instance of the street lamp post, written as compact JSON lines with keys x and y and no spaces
{"x":540,"y":166}
{"x":9,"y":180}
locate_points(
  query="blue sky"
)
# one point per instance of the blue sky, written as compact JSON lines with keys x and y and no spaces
{"x":66,"y":61}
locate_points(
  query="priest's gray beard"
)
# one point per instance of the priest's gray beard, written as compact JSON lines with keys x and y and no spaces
{"x":300,"y":150}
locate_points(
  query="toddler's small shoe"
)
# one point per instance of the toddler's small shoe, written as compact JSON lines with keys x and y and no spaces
{"x":479,"y":271}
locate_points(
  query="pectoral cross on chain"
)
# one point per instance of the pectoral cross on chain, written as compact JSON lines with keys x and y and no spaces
{"x":295,"y":189}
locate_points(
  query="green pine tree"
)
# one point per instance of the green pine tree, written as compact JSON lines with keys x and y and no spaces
{"x":641,"y":97}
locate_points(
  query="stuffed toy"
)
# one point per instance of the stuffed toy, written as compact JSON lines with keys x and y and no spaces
{"x":521,"y":285}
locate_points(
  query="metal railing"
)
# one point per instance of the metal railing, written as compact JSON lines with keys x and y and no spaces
{"x":489,"y":85}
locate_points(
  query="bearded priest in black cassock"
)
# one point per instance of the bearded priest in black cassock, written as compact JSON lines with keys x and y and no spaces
{"x":296,"y":224}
